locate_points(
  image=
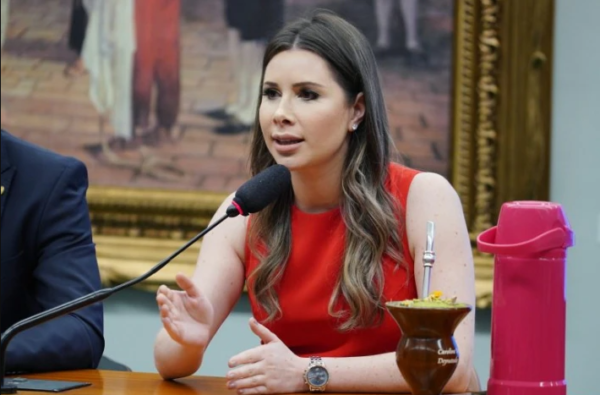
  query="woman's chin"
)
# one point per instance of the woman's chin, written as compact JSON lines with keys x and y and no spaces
{"x":291,"y":163}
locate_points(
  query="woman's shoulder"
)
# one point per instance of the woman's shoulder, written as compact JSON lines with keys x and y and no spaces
{"x":404,"y":181}
{"x":400,"y":178}
{"x":402,"y":172}
{"x":431,"y":193}
{"x":428,"y":182}
{"x":404,"y":176}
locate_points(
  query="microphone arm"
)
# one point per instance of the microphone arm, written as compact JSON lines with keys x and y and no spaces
{"x":87,"y":300}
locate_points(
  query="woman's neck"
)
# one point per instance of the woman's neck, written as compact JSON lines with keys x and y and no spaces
{"x":317,"y":190}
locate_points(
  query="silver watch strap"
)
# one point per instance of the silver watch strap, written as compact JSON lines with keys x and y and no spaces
{"x":315,"y":361}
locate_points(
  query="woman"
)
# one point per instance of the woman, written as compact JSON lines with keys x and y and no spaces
{"x":321,"y":262}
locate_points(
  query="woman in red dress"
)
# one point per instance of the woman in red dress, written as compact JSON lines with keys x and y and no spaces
{"x":321,"y":262}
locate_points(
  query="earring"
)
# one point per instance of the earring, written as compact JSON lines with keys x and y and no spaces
{"x":355,"y":126}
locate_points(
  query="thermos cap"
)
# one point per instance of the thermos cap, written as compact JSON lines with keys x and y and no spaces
{"x":526,"y":228}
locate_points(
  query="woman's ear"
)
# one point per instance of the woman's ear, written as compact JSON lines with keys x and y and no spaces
{"x":358,"y":112}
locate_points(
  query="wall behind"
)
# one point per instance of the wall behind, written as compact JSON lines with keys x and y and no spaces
{"x":575,"y":179}
{"x":132,"y":319}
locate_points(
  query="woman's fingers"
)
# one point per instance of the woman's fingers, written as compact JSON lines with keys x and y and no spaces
{"x":169,"y":294}
{"x":173,"y":296}
{"x":163,"y":290}
{"x":171,"y":328}
{"x":165,"y":307}
{"x":167,"y":301}
{"x":165,"y":310}
{"x":186,"y":284}
{"x":189,"y":289}
{"x":168,"y":316}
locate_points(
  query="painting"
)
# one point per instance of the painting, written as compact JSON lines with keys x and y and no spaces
{"x":162,"y":93}
{"x":158,"y":97}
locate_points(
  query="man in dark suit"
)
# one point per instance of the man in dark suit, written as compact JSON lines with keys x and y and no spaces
{"x":47,"y":258}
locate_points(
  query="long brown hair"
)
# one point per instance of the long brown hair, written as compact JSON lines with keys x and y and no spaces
{"x":372,"y":216}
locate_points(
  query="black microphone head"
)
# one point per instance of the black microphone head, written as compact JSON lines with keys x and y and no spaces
{"x":260,"y":191}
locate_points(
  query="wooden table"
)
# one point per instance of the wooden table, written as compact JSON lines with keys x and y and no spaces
{"x":118,"y":383}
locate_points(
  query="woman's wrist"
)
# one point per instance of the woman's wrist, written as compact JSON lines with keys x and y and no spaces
{"x":302,"y":366}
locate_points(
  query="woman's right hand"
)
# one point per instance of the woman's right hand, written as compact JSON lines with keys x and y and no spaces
{"x":186,"y":315}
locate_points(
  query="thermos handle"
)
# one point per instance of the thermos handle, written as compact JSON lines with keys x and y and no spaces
{"x":555,"y":238}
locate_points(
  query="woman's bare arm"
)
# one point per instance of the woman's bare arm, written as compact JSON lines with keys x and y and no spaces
{"x":219,"y":277}
{"x":432,"y":198}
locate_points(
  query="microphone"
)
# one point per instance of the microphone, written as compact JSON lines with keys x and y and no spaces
{"x":253,"y":196}
{"x":260,"y":190}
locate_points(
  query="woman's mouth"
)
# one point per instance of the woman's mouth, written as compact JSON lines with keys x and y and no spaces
{"x":287,"y":141}
{"x":287,"y":144}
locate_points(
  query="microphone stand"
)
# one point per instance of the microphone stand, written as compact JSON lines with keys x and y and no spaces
{"x":86,"y":300}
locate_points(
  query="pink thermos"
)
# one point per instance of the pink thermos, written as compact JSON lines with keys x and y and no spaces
{"x":529,"y":302}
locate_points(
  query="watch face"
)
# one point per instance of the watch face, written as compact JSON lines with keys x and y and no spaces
{"x":317,"y":376}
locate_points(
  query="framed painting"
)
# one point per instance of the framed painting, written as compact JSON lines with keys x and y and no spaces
{"x":161,"y":115}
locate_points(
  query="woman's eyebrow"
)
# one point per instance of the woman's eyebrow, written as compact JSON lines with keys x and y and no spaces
{"x":307,"y":83}
{"x":270,"y":84}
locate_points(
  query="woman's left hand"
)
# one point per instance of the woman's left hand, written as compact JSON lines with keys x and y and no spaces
{"x":267,"y":369}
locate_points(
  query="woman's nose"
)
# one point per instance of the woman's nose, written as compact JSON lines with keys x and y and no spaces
{"x":283,"y":113}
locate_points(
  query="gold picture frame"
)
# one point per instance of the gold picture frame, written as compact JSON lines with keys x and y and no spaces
{"x":500,"y":148}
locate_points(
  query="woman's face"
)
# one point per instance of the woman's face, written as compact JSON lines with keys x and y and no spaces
{"x":304,"y":114}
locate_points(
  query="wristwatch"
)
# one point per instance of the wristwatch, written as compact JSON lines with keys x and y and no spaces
{"x":316,"y":375}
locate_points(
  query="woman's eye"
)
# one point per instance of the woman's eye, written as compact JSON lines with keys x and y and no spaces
{"x":270,"y":93}
{"x":307,"y":94}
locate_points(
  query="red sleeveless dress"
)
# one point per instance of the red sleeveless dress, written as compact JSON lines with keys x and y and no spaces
{"x":305,"y":325}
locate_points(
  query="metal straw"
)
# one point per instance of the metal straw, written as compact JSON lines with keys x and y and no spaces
{"x":428,"y":257}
